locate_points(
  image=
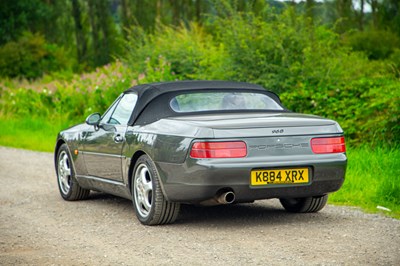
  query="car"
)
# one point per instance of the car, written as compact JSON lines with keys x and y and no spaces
{"x":201,"y":142}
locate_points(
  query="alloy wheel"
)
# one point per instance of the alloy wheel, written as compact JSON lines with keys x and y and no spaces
{"x":143,"y":190}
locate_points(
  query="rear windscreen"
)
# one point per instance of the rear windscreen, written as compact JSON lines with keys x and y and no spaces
{"x":215,"y":101}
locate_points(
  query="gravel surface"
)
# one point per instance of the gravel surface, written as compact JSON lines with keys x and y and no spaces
{"x":37,"y":227}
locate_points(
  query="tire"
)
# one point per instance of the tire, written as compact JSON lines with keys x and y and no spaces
{"x":150,"y":205}
{"x":67,"y":183}
{"x":304,"y":205}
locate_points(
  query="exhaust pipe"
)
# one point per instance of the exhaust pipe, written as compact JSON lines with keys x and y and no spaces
{"x":223,"y":198}
{"x":226,"y":198}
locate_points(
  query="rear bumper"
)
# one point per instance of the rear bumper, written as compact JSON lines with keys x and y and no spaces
{"x":199,"y":180}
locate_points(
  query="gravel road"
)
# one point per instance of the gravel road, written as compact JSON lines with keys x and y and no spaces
{"x":37,"y":227}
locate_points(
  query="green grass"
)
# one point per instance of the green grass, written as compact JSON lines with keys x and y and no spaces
{"x":31,"y":134}
{"x":372,"y":178}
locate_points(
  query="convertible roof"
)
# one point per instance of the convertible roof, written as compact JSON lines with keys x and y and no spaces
{"x":148,"y":92}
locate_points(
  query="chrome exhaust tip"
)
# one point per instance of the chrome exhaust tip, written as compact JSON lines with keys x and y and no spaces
{"x":226,"y":198}
{"x":223,"y":198}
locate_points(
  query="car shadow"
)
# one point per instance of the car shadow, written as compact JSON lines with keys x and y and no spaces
{"x":264,"y":212}
{"x":234,"y":215}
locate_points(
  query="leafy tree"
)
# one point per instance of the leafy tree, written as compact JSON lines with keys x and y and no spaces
{"x":19,"y":16}
{"x":31,"y":56}
{"x":104,"y":35}
{"x":81,"y":42}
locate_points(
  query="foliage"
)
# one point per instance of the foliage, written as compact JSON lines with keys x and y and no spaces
{"x":367,"y":109}
{"x":190,"y":52}
{"x":376,"y":44}
{"x":66,"y":99}
{"x":282,"y":51}
{"x":92,"y":31}
{"x":16,"y":17}
{"x":372,"y":179}
{"x":30,"y":56}
{"x":308,"y":65}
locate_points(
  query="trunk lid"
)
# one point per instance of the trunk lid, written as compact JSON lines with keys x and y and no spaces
{"x":262,"y":124}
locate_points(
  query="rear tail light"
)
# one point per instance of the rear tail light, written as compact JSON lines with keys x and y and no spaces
{"x":328,"y":145}
{"x":228,"y":149}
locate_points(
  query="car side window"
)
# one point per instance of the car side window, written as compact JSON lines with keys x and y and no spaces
{"x":106,"y":116}
{"x":123,"y":110}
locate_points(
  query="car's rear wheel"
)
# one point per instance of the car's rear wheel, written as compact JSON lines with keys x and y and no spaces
{"x":302,"y":205}
{"x":67,"y":183}
{"x":149,"y":202}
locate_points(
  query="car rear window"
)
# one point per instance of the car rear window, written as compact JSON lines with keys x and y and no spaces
{"x":215,"y":101}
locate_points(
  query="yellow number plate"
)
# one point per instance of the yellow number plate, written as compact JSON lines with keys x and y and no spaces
{"x":280,"y":176}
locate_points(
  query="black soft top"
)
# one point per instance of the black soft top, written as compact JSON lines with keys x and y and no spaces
{"x":149,"y":92}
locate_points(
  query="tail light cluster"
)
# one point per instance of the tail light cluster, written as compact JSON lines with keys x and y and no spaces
{"x":328,"y":145}
{"x":238,"y":149}
{"x":225,"y":149}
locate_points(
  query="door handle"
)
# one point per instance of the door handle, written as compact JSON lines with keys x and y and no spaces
{"x":118,"y":138}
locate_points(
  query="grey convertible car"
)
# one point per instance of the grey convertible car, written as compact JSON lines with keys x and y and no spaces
{"x":201,"y":142}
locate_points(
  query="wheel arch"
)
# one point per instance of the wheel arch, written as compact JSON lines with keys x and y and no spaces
{"x":56,"y":149}
{"x":134,"y":159}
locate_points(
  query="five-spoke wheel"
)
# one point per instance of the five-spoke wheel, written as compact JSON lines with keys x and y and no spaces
{"x":64,"y":172}
{"x":150,"y":205}
{"x":143,"y":190}
{"x":67,"y":184}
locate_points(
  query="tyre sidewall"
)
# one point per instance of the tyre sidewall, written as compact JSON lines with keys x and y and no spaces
{"x":305,"y":205}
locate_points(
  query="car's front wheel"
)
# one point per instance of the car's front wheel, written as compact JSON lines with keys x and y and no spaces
{"x":150,"y":205}
{"x":302,"y":205}
{"x":67,"y":184}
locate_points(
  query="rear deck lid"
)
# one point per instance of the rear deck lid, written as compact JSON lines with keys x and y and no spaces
{"x":262,"y":124}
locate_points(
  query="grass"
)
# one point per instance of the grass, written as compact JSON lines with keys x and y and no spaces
{"x":372,"y":178}
{"x":31,"y":134}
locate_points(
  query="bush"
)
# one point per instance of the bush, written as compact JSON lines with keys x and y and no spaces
{"x":394,"y":62}
{"x":367,"y":109}
{"x":190,"y":53}
{"x":66,"y":99}
{"x":376,"y":44}
{"x":30,"y":57}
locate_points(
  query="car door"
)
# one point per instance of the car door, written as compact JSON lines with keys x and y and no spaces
{"x":103,"y":144}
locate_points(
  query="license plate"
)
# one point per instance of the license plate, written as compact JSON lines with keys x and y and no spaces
{"x":280,"y":176}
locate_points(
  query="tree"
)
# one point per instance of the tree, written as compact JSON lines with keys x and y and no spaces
{"x":389,"y":16}
{"x":374,"y":8}
{"x":344,"y":9}
{"x":81,"y":47}
{"x":310,"y":5}
{"x":19,"y":16}
{"x":361,"y":15}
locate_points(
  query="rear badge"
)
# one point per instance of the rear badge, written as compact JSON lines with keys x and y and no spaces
{"x":277,"y":131}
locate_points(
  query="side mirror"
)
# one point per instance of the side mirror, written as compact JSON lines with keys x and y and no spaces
{"x":93,"y":119}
